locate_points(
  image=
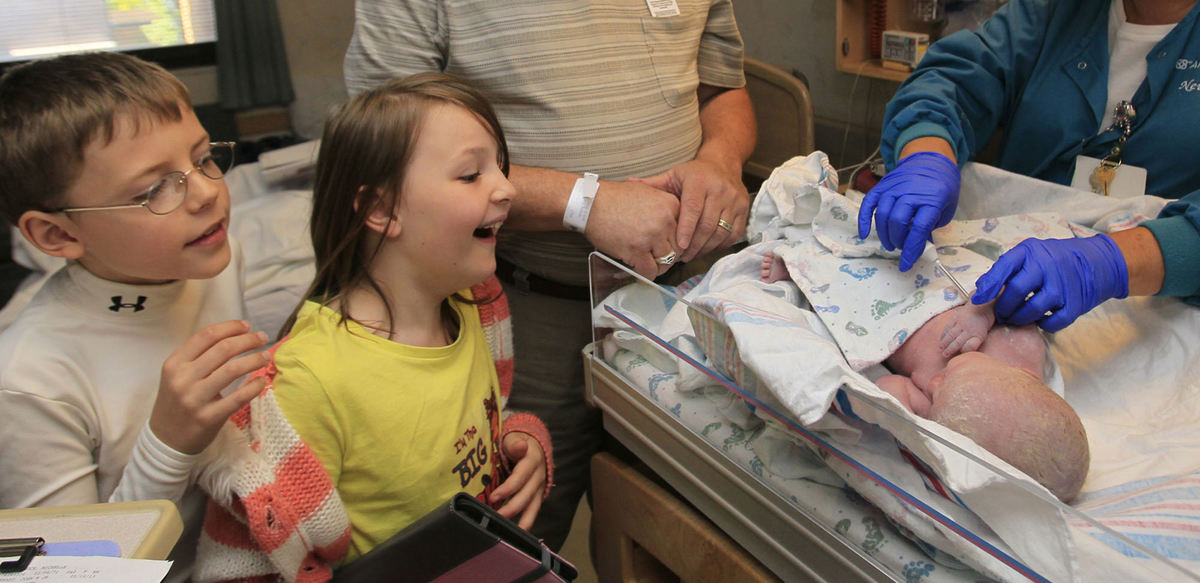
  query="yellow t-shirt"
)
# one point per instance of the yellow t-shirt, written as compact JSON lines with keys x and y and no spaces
{"x":399,"y":428}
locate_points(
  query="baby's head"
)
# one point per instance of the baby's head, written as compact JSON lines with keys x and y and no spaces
{"x":1012,"y":414}
{"x":96,"y":159}
{"x":418,"y":165}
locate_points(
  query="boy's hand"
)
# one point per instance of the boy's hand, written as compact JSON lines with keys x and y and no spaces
{"x":523,"y":488}
{"x":189,"y":409}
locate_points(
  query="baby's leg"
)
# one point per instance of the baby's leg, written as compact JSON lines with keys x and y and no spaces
{"x":906,"y":392}
{"x":773,"y":268}
{"x":967,"y":328}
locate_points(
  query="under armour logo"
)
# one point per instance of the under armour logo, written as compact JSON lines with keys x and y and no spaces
{"x":137,"y":306}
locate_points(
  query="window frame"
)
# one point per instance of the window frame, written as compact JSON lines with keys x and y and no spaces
{"x":177,"y":57}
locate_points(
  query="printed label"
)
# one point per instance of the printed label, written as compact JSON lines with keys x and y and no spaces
{"x":663,"y":8}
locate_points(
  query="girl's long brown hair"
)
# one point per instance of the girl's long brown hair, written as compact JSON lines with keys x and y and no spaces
{"x":365,"y":151}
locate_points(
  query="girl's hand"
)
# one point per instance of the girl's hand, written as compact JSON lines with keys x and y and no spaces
{"x":522,"y":491}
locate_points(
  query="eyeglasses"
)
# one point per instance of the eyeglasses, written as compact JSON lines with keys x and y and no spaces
{"x":170,"y":191}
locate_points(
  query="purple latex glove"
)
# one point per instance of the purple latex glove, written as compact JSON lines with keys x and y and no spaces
{"x":916,"y":197}
{"x":1066,"y":277}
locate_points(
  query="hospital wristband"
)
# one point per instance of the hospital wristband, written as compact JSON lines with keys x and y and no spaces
{"x":579,"y":206}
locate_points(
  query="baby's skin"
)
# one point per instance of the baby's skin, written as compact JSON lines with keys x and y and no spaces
{"x":985,"y":382}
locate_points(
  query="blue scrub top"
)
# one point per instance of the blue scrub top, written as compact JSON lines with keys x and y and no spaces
{"x":1039,"y":70}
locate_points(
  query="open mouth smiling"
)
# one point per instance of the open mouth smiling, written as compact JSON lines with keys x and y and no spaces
{"x":488,"y":231}
{"x":208,"y":235}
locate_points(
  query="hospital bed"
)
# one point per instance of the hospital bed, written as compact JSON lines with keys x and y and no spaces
{"x":840,"y":499}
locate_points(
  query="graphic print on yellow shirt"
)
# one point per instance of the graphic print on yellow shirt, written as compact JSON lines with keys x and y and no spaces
{"x":481,"y":452}
{"x":400,"y":429}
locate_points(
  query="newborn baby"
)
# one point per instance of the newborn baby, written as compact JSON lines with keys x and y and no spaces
{"x":985,"y":382}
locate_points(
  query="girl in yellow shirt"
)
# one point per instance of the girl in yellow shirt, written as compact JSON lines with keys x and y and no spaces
{"x":395,"y":371}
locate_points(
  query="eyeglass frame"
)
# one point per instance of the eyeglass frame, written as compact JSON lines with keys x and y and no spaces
{"x":183,"y":179}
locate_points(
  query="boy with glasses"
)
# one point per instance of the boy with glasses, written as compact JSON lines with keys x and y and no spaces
{"x":111,"y":379}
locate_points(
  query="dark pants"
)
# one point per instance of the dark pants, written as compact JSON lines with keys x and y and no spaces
{"x":548,"y":335}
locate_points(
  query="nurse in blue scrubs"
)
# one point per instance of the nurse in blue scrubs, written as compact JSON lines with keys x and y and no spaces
{"x":1100,"y":94}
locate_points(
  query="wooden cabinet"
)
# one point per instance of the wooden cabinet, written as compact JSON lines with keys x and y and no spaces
{"x":643,"y":533}
{"x":854,"y":30}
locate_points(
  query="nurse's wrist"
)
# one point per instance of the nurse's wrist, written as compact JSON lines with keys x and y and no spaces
{"x":921,"y":129}
{"x":1143,"y":260}
{"x":928,"y":144}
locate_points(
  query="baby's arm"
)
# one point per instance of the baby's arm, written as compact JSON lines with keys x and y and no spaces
{"x":909,"y":395}
{"x":967,"y":329}
{"x":522,"y":491}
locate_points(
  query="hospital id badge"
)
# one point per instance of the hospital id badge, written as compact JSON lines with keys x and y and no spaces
{"x":663,"y":8}
{"x":1127,"y":181}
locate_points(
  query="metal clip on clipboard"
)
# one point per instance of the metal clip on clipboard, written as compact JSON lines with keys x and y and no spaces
{"x":22,"y":548}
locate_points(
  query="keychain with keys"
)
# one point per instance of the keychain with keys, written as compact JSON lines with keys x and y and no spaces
{"x":1103,"y":176}
{"x":1123,"y":115}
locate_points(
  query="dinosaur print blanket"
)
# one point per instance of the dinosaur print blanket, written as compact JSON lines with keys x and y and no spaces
{"x":870,"y":306}
{"x":853,"y":285}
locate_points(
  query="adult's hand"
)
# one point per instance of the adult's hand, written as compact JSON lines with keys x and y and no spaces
{"x":636,"y":223}
{"x":713,"y":205}
{"x":1052,"y":282}
{"x":916,"y":197}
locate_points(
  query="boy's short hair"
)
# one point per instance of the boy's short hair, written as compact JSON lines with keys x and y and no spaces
{"x":52,"y":109}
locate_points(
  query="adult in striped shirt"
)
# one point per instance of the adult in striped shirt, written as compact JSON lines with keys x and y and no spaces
{"x":650,"y":97}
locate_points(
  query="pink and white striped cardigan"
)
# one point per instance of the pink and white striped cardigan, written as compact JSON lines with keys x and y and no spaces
{"x":280,"y":517}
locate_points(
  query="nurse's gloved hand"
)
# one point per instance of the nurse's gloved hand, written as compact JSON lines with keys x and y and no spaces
{"x":1064,"y":278}
{"x":916,"y":197}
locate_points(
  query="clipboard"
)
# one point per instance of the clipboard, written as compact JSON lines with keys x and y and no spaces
{"x":142,"y":530}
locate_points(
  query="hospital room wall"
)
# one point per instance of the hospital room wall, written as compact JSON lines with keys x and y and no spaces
{"x":315,"y":34}
{"x":799,"y":35}
{"x":792,"y":34}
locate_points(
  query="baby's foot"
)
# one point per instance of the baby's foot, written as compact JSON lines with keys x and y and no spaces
{"x":966,"y":330}
{"x":773,"y":268}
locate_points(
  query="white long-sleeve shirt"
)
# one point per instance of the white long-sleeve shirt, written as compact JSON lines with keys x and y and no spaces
{"x":79,"y":373}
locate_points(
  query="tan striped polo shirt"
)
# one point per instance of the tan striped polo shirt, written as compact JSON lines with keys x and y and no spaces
{"x":579,"y":85}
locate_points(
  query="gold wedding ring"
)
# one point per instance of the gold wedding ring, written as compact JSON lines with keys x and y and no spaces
{"x":724,"y":224}
{"x":667,"y":259}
